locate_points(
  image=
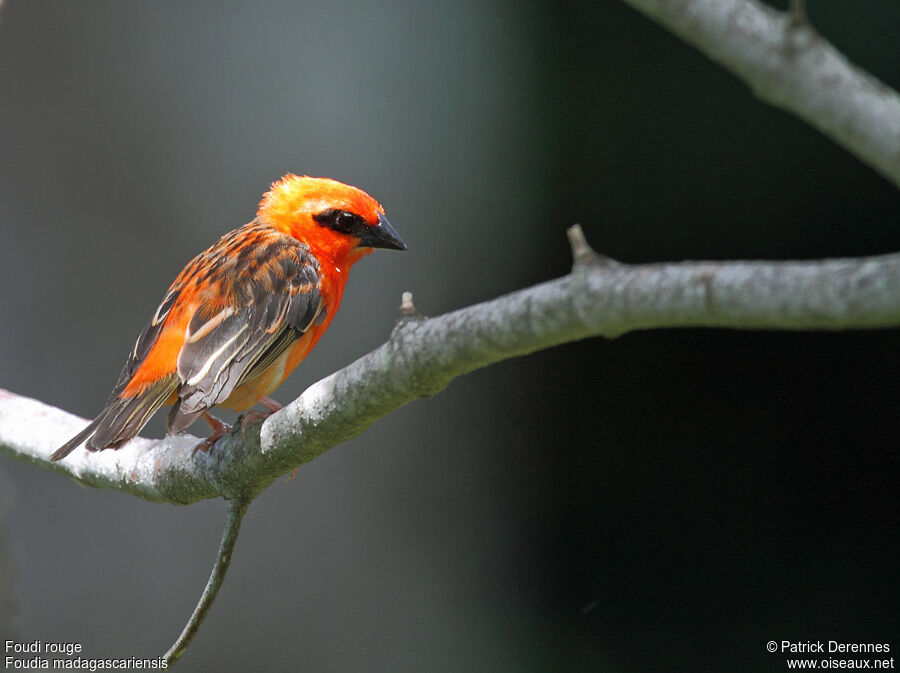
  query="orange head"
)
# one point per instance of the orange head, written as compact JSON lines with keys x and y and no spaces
{"x":334,"y":219}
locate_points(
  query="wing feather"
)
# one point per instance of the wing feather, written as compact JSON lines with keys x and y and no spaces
{"x":249,"y":296}
{"x":276,"y":301}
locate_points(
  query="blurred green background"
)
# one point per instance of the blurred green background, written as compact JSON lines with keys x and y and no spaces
{"x":665,"y":501}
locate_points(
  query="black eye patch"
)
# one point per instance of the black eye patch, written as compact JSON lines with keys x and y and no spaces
{"x":342,"y":221}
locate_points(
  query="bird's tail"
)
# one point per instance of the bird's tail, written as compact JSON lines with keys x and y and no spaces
{"x":121,"y":420}
{"x":76,"y":441}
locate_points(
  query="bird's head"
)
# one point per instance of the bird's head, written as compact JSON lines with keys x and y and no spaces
{"x":332,"y":218}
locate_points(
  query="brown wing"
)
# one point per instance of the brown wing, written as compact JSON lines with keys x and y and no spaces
{"x":275,"y":298}
{"x":269,"y":284}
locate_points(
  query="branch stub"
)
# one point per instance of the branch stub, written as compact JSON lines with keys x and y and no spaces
{"x":582,"y":253}
{"x":406,"y":304}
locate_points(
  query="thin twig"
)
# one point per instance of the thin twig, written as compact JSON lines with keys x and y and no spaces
{"x":797,"y":10}
{"x":234,"y":516}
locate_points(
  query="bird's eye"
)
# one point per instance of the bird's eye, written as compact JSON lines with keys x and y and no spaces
{"x":340,"y":220}
{"x":344,"y":221}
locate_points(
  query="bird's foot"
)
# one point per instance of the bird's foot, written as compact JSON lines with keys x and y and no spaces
{"x":270,"y":404}
{"x":252,"y":416}
{"x":219,"y":430}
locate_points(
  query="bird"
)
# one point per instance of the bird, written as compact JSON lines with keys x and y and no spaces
{"x":244,"y":312}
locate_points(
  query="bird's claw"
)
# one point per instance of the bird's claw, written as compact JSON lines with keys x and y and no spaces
{"x":203,"y":445}
{"x":219,"y":430}
{"x":252,"y":416}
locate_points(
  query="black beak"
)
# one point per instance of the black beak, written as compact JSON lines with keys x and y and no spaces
{"x":382,"y":235}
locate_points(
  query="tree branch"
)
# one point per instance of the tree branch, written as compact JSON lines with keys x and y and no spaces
{"x":600,"y":297}
{"x":789,"y":65}
{"x":233,"y":517}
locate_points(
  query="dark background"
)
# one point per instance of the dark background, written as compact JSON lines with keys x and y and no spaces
{"x":665,"y":501}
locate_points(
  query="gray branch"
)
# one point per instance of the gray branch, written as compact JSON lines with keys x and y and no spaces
{"x":234,"y":516}
{"x":599,"y":298}
{"x":789,"y":65}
